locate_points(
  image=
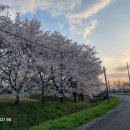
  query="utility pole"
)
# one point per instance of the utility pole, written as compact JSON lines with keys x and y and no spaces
{"x":128,"y":73}
{"x":107,"y":90}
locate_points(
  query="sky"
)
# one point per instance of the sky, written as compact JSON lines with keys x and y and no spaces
{"x":104,"y":24}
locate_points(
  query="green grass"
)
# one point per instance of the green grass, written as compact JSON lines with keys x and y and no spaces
{"x":75,"y":120}
{"x":32,"y":113}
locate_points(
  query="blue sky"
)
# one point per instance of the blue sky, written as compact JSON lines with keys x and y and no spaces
{"x":104,"y":24}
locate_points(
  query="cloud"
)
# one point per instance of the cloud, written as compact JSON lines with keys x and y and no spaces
{"x":61,"y":7}
{"x":116,"y":66}
{"x":121,"y":68}
{"x":90,"y":11}
{"x":78,"y":21}
{"x":61,"y":26}
{"x":23,"y":6}
{"x":55,"y":7}
{"x":117,"y":75}
{"x":75,"y":26}
{"x":88,"y":30}
{"x":83,"y":28}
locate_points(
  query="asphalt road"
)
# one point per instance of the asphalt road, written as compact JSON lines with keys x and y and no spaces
{"x":118,"y":119}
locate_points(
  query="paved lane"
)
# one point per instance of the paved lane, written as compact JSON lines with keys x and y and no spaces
{"x":119,"y":119}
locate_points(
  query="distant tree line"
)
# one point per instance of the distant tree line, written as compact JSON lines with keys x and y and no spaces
{"x":120,"y":86}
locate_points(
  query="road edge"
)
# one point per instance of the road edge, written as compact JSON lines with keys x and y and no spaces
{"x":98,"y":119}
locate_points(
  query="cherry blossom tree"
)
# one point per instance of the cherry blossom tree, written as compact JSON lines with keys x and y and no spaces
{"x":47,"y":61}
{"x":16,"y":64}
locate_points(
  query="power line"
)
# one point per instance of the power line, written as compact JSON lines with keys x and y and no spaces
{"x":16,"y":35}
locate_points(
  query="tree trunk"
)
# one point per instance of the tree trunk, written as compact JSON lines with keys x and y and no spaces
{"x":43,"y":96}
{"x":82,"y":96}
{"x":75,"y":96}
{"x":62,"y":96}
{"x":17,"y":99}
{"x":61,"y":99}
{"x":78,"y":96}
{"x":43,"y":99}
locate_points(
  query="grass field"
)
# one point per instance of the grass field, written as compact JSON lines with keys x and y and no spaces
{"x":32,"y":113}
{"x":73,"y":121}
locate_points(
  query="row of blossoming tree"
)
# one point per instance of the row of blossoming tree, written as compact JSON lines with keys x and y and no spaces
{"x":32,"y":59}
